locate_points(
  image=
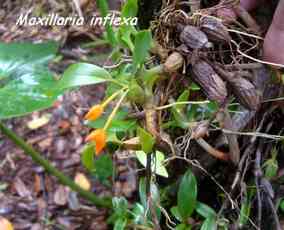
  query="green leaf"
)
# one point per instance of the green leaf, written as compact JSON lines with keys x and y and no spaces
{"x":204,"y":210}
{"x":120,"y":206}
{"x":271,"y":165}
{"x":175,"y":213}
{"x":281,"y":205}
{"x":124,"y":35}
{"x":129,"y":9}
{"x":182,"y":227}
{"x":103,"y":7}
{"x":142,"y":44}
{"x":156,"y":162}
{"x":146,"y":139}
{"x":155,"y":195}
{"x":209,"y":224}
{"x":245,"y":212}
{"x":187,"y":195}
{"x":26,"y":85}
{"x":82,"y":74}
{"x":87,"y":157}
{"x":118,"y":124}
{"x":183,"y":97}
{"x":13,"y":54}
{"x":120,"y":224}
{"x":138,"y":213}
{"x":103,"y":167}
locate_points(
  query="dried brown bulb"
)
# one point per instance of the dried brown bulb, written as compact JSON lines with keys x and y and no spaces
{"x":245,"y":92}
{"x":194,"y":38}
{"x":211,"y":83}
{"x":173,"y":62}
{"x":215,"y":29}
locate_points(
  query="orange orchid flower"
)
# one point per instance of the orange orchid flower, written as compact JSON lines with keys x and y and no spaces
{"x":94,"y":113}
{"x":99,"y":137}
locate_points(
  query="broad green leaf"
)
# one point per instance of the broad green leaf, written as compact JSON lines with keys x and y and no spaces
{"x":120,"y":224}
{"x":129,"y":9}
{"x":87,"y":157}
{"x":156,"y":162}
{"x":103,"y":167}
{"x":82,"y":74}
{"x":182,"y":227}
{"x":187,"y":194}
{"x":13,"y":54}
{"x":175,"y":213}
{"x":209,"y":224}
{"x":26,"y":84}
{"x":142,"y":44}
{"x":146,"y":139}
{"x":204,"y":210}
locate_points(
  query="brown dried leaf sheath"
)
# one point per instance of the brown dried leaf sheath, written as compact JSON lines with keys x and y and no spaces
{"x":214,"y":29}
{"x":212,"y":85}
{"x":193,"y":37}
{"x":245,"y":92}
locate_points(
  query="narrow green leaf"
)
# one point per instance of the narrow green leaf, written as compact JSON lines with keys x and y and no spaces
{"x":82,"y":74}
{"x":245,"y":212}
{"x":138,"y":213}
{"x":183,"y":97}
{"x":209,"y":224}
{"x":142,"y":44}
{"x":120,"y":205}
{"x":120,"y":224}
{"x":146,"y":139}
{"x":87,"y":157}
{"x":103,"y":7}
{"x":204,"y":210}
{"x":155,"y":195}
{"x":187,"y":195}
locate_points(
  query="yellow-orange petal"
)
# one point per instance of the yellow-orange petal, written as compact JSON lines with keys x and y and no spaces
{"x":5,"y":224}
{"x":99,"y":137}
{"x":82,"y":181}
{"x":94,"y":113}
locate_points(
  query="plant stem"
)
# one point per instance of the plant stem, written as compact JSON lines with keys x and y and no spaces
{"x":65,"y":180}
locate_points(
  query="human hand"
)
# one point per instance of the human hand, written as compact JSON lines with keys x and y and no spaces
{"x":273,"y":46}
